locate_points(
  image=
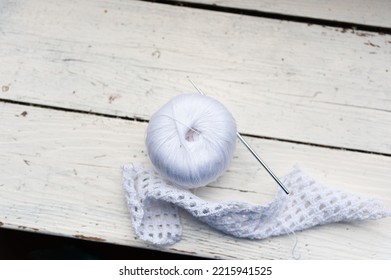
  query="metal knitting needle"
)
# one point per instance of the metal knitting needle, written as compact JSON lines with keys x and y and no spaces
{"x":251,"y":150}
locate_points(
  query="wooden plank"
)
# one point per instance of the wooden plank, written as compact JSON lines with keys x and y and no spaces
{"x":280,"y":79}
{"x":373,"y":12}
{"x":60,"y":174}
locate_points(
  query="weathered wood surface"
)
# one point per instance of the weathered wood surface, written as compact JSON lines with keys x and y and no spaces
{"x":280,"y":79}
{"x":60,"y":171}
{"x":368,"y":12}
{"x":60,"y":174}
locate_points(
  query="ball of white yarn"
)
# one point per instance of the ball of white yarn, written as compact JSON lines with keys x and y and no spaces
{"x":191,"y":140}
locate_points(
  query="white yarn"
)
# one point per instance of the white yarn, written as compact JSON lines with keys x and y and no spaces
{"x":191,"y":140}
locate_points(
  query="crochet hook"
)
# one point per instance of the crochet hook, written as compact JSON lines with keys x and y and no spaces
{"x":251,"y":150}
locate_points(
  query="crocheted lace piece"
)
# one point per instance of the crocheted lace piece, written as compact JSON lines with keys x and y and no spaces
{"x":153,"y":204}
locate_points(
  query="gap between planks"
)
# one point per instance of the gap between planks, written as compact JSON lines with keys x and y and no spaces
{"x":146,"y":121}
{"x":282,"y":12}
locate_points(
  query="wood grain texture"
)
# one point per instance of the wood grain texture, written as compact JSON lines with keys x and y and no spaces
{"x":60,"y":174}
{"x":372,"y":12}
{"x":283,"y":80}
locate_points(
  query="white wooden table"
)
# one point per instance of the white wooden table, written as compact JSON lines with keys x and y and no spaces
{"x":80,"y":79}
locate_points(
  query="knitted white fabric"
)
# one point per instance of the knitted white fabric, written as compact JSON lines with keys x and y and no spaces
{"x":153,"y":204}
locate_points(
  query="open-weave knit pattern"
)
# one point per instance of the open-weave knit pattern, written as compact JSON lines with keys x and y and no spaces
{"x":153,"y":204}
